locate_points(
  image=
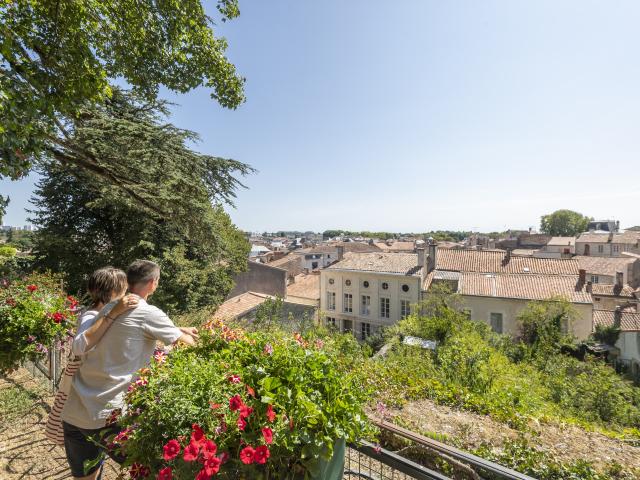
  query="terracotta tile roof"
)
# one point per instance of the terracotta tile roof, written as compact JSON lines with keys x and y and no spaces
{"x":239,"y":305}
{"x":399,"y":263}
{"x":613,"y":290}
{"x":629,"y":321}
{"x":562,"y":241}
{"x":333,"y":248}
{"x":605,"y":265}
{"x":396,"y":247}
{"x":305,"y":286}
{"x":523,"y":286}
{"x":496,"y":261}
{"x":628,"y":237}
{"x":285,"y":261}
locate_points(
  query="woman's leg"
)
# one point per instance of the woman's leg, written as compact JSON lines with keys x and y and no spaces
{"x":79,"y":448}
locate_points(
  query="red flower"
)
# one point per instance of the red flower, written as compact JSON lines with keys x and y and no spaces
{"x":171,"y":450}
{"x":234,"y":379}
{"x":32,"y":288}
{"x":245,"y":411}
{"x":11,"y":302}
{"x":209,"y":449}
{"x":241,"y":423}
{"x":271,"y":415}
{"x":214,"y":406}
{"x":165,"y":474}
{"x":246,"y":455}
{"x":197,"y":435}
{"x":203,"y":475}
{"x":235,"y":403}
{"x":191,"y":452}
{"x":138,"y":470}
{"x":57,"y":317}
{"x":251,"y":391}
{"x":267,"y":433}
{"x":261,"y":454}
{"x":212,"y":465}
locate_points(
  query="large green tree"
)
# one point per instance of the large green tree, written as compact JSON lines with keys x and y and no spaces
{"x":564,"y":223}
{"x":58,"y":58}
{"x":85,"y":222}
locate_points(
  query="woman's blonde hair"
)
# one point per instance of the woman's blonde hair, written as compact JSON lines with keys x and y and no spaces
{"x":106,"y":282}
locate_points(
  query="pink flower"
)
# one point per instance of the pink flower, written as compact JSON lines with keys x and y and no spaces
{"x":234,"y":378}
{"x":212,"y":465}
{"x":250,"y":391}
{"x":245,"y":411}
{"x":209,"y":449}
{"x":271,"y":415}
{"x":159,"y":356}
{"x":261,"y":454}
{"x":268,"y":349}
{"x":241,"y":423}
{"x":203,"y":475}
{"x":246,"y":455}
{"x":197,"y":435}
{"x":191,"y":452}
{"x":32,"y":288}
{"x":267,"y":433}
{"x":171,"y":450}
{"x":165,"y":474}
{"x":214,"y":406}
{"x":221,"y":428}
{"x":235,"y":403}
{"x":319,"y":344}
{"x":224,"y":456}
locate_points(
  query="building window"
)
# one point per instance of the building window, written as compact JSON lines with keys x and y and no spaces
{"x":496,"y":322}
{"x":347,"y":326}
{"x":615,"y":248}
{"x":405,"y":308}
{"x":331,"y":281}
{"x":331,"y":300}
{"x":365,"y":284}
{"x":385,"y":307}
{"x":331,"y":321}
{"x":600,"y":248}
{"x":365,"y":330}
{"x":385,"y":286}
{"x":347,"y":283}
{"x":365,"y":305}
{"x":595,"y":279}
{"x":405,"y":288}
{"x":347,"y":306}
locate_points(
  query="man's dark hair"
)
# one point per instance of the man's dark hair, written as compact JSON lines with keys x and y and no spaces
{"x":141,"y":271}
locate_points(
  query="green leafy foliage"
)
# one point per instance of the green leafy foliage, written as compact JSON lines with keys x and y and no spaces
{"x":34,"y":314}
{"x":313,"y":398}
{"x":57,"y":58}
{"x":608,"y":334}
{"x":564,"y":223}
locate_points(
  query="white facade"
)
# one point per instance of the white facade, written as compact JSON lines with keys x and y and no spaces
{"x":362,"y":302}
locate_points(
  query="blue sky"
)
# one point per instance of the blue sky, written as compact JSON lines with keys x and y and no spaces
{"x":420,"y":115}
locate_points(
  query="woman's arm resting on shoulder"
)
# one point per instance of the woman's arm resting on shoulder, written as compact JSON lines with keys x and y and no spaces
{"x":88,"y":339}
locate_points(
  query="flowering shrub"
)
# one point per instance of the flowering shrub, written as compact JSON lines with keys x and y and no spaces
{"x":34,"y":313}
{"x":241,"y":405}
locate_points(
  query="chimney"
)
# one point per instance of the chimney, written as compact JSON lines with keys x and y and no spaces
{"x":617,"y":225}
{"x":340,"y":252}
{"x":617,"y":317}
{"x":432,"y":259}
{"x":421,"y":256}
{"x":583,"y":276}
{"x":619,"y":279}
{"x":589,"y":287}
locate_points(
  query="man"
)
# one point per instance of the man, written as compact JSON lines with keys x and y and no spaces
{"x":108,"y":369}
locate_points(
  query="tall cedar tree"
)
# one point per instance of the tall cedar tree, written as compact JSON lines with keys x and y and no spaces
{"x":85,"y":222}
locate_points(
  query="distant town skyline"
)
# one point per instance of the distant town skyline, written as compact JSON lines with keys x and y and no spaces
{"x":431,"y":115}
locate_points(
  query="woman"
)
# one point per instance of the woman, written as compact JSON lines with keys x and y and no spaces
{"x":105,"y":286}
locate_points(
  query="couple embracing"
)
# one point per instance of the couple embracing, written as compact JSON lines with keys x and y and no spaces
{"x":115,"y":338}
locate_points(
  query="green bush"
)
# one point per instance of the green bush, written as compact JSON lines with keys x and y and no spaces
{"x":232,"y":386}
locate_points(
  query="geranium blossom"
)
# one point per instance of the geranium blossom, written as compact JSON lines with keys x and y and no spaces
{"x":57,"y":317}
{"x":235,"y":403}
{"x":271,"y":414}
{"x":165,"y":474}
{"x":267,"y":433}
{"x":171,"y":450}
{"x":197,"y":435}
{"x":268,"y":349}
{"x":212,"y":465}
{"x":250,"y":391}
{"x":203,"y":475}
{"x":209,"y":449}
{"x":214,"y":406}
{"x":32,"y":288}
{"x":261,"y":454}
{"x":245,"y":411}
{"x":241,"y":423}
{"x":191,"y":452}
{"x":246,"y":455}
{"x":234,"y":378}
